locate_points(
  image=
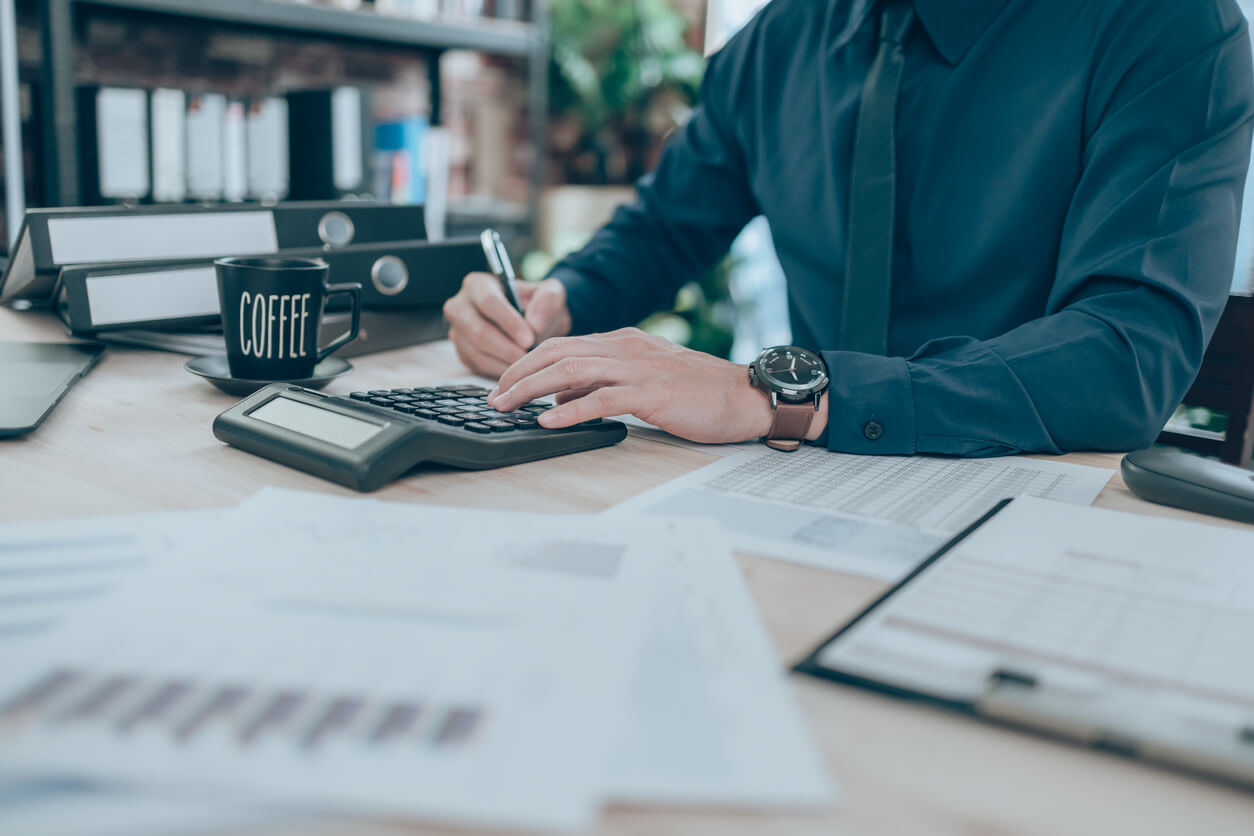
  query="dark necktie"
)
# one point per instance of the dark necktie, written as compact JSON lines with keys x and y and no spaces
{"x":872,"y":192}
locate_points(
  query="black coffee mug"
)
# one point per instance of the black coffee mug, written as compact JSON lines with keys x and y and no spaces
{"x":271,"y":311}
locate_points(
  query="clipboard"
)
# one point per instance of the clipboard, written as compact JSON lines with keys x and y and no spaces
{"x":1201,"y":730}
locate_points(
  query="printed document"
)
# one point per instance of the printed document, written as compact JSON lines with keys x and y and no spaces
{"x":709,"y":717}
{"x":440,"y":689}
{"x":1106,"y":622}
{"x":876,"y":516}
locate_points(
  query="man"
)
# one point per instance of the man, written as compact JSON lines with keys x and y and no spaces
{"x":1031,"y":259}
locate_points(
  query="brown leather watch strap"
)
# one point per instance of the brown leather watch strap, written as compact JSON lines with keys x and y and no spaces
{"x":792,"y":422}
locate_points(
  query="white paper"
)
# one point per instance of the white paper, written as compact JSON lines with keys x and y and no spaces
{"x":1139,"y":624}
{"x":876,"y":516}
{"x":709,"y":718}
{"x":276,"y":667}
{"x":712,"y":718}
{"x":69,"y":807}
{"x":48,"y":573}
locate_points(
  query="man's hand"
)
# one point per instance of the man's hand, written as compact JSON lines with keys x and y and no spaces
{"x":489,"y":334}
{"x":689,"y":394}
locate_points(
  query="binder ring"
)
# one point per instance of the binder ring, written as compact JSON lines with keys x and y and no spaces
{"x":389,"y":275}
{"x":336,"y":229}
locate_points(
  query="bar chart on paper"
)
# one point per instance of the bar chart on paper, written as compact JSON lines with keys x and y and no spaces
{"x":425,"y":688}
{"x":870,"y":515}
{"x":186,"y":711}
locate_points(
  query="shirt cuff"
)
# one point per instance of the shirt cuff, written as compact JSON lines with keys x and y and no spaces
{"x":581,"y":301}
{"x":870,"y":405}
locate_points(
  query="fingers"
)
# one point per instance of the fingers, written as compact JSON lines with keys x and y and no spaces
{"x":489,"y":300}
{"x":475,"y":337}
{"x":474,"y":316}
{"x":569,"y":374}
{"x":601,"y":403}
{"x":545,"y":355}
{"x":566,"y":397}
{"x":546,"y":309}
{"x":477,"y":360}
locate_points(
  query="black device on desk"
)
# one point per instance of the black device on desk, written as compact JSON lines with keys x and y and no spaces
{"x":368,"y":439}
{"x":35,"y":376}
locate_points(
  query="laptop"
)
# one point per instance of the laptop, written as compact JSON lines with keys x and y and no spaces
{"x":35,"y":376}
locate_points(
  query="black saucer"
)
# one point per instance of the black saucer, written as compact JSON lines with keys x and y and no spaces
{"x":214,"y":369}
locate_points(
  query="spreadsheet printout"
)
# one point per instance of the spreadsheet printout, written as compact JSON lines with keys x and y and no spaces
{"x":876,"y":516}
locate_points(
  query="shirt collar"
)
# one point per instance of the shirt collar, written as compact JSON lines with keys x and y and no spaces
{"x":954,"y":25}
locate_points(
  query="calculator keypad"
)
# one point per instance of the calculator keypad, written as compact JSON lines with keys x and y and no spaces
{"x":455,"y":406}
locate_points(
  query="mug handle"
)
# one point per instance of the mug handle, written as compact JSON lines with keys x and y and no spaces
{"x":353,"y":290}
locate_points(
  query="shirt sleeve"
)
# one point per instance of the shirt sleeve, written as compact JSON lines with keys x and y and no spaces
{"x":684,"y":219}
{"x":1145,"y":266}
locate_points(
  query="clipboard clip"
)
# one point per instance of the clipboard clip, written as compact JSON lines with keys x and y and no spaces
{"x":1003,"y":677}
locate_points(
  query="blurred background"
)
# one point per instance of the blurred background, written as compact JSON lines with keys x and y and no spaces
{"x":531,"y":116}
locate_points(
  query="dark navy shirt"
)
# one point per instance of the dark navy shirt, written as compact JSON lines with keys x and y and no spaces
{"x":1069,"y":184}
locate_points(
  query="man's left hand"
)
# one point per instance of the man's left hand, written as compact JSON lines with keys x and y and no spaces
{"x":684,"y":392}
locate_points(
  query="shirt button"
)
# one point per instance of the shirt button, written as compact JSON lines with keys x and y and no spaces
{"x":873,"y":430}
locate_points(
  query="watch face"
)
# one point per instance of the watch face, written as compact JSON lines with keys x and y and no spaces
{"x":792,"y":369}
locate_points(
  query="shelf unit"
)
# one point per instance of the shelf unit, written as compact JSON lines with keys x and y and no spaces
{"x":526,"y":40}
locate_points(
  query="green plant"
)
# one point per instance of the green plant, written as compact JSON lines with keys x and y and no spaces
{"x":620,"y":76}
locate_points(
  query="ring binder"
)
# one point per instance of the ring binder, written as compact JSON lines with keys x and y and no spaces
{"x":97,"y":298}
{"x":54,"y":238}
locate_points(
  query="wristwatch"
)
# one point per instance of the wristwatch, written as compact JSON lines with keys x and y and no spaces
{"x":795,"y":380}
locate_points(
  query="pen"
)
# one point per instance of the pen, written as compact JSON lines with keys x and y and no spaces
{"x":502,"y":268}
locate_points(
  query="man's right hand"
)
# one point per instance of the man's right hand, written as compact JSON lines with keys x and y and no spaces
{"x":489,"y":335}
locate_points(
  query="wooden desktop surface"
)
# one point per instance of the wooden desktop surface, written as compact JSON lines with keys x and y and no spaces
{"x":134,"y":436}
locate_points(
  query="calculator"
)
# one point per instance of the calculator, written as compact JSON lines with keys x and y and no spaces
{"x":367,"y":439}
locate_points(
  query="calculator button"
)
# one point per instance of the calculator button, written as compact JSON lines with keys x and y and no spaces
{"x":426,"y":413}
{"x":360,"y":396}
{"x":452,"y":420}
{"x":499,"y":426}
{"x":474,"y":390}
{"x":381,"y":401}
{"x":523,"y":423}
{"x":537,"y":407}
{"x":380,"y":392}
{"x":449,"y":402}
{"x":471,"y":400}
{"x":445,"y":410}
{"x":469,"y":416}
{"x":477,"y":427}
{"x":408,"y":409}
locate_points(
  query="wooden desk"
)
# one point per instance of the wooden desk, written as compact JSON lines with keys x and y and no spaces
{"x":134,"y":436}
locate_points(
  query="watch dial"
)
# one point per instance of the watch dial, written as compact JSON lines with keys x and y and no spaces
{"x":791,"y":369}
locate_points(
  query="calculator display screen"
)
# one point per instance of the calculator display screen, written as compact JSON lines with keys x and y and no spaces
{"x":322,"y":424}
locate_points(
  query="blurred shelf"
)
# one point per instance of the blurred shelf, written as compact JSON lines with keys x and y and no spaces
{"x":1182,"y":428}
{"x":487,"y":211}
{"x":499,"y":37}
